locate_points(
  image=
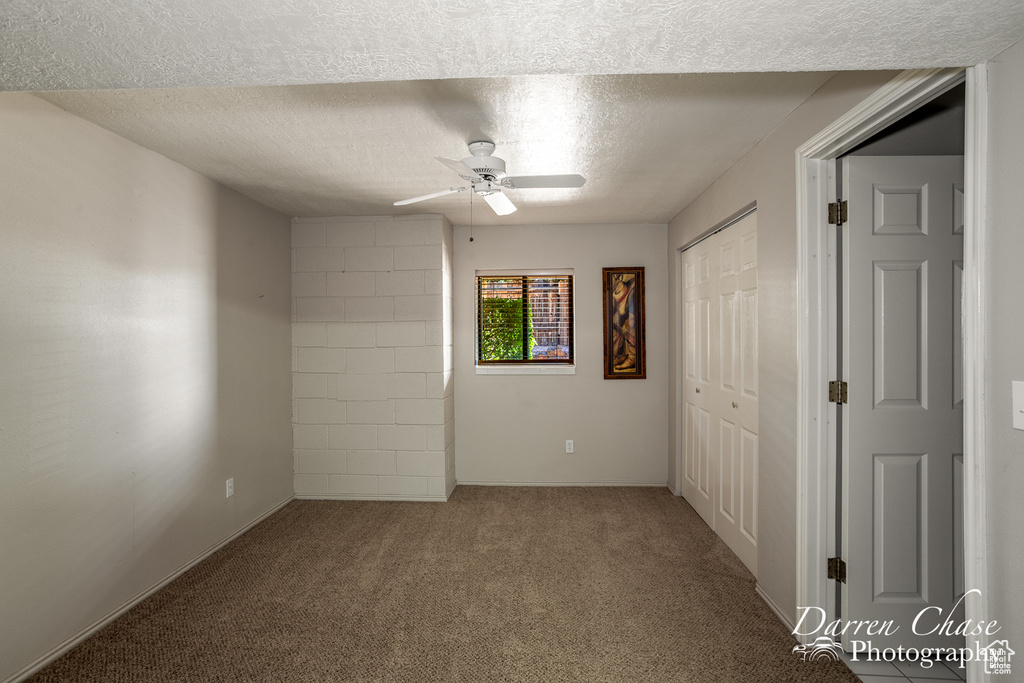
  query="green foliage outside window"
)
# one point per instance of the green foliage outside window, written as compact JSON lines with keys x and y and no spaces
{"x":502,"y":330}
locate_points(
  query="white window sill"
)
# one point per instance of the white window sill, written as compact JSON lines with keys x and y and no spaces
{"x":526,"y":369}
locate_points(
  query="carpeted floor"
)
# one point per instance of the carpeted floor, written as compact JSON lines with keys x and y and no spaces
{"x":498,"y":584}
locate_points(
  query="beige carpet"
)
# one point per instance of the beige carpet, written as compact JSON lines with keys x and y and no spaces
{"x":498,"y":584}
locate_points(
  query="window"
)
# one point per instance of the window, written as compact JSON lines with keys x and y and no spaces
{"x":524,"y":318}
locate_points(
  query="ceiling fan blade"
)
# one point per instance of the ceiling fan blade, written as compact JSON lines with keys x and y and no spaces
{"x":430,"y":196}
{"x":501,"y":204}
{"x":522,"y":181}
{"x":460,"y":168}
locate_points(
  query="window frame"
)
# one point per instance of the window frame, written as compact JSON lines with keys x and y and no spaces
{"x":523,"y":365}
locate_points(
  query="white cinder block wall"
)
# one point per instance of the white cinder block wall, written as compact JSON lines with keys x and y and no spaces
{"x":372,"y":393}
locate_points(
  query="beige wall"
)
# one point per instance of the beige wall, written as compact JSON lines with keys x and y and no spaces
{"x":512,"y":429}
{"x":144,"y":334}
{"x":767,"y":176}
{"x":1004,"y":280}
{"x":373,"y":401}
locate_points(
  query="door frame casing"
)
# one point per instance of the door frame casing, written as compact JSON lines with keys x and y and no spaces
{"x":815,"y":417}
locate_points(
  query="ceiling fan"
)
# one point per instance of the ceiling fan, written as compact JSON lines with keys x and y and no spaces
{"x":486,"y":175}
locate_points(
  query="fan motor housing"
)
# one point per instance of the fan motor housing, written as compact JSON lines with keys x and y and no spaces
{"x":490,"y":168}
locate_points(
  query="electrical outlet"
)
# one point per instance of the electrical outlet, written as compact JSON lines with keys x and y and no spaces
{"x":569,"y":447}
{"x":230,"y":487}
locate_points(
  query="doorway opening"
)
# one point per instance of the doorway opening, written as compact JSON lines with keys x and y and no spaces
{"x":817,"y":420}
{"x":897,"y":461}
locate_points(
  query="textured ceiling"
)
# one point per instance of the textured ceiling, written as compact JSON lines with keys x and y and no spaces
{"x":230,"y":88}
{"x":647,"y":144}
{"x":84,"y":44}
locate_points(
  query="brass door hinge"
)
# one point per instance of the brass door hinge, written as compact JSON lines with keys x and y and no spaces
{"x":837,"y":569}
{"x":837,"y":213}
{"x":837,"y":392}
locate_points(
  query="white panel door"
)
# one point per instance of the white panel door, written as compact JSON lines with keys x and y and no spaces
{"x":903,"y":435}
{"x":720,"y":451}
{"x":698,"y":478}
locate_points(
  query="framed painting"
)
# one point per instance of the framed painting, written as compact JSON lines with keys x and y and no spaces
{"x":625,"y":351}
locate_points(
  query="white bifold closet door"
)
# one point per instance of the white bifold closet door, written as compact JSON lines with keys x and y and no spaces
{"x":720,"y":445}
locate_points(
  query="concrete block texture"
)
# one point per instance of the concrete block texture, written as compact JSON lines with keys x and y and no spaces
{"x":382,"y":463}
{"x":369,"y":258}
{"x":362,"y":387}
{"x":309,"y":385}
{"x":409,"y":232}
{"x":321,"y":411}
{"x":401,"y":334}
{"x":349,"y":283}
{"x":309,"y":284}
{"x":309,"y":334}
{"x":402,"y":486}
{"x":417,"y":258}
{"x":419,"y":359}
{"x":309,"y":235}
{"x":351,"y":335}
{"x":421,"y":463}
{"x":419,"y":307}
{"x":318,"y":259}
{"x":419,"y":411}
{"x":352,"y":485}
{"x":402,"y":437}
{"x":318,"y":308}
{"x":369,"y":309}
{"x":311,"y":484}
{"x":315,"y":359}
{"x":350,"y":234}
{"x":407,"y":385}
{"x":369,"y":335}
{"x":321,"y":462}
{"x":371,"y":412}
{"x":351,"y":437}
{"x":369,"y":361}
{"x":400,"y":283}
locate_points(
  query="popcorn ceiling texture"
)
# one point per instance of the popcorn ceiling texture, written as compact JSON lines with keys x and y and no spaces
{"x":646,"y":144}
{"x":87,"y":44}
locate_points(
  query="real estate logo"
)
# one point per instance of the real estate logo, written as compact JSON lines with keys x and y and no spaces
{"x":997,"y":657}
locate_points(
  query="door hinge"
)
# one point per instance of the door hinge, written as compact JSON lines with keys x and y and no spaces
{"x":837,"y":392}
{"x":837,"y":213}
{"x":837,"y":569}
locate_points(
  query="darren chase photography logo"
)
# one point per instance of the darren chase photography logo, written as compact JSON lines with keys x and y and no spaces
{"x":822,"y":649}
{"x":996,"y":656}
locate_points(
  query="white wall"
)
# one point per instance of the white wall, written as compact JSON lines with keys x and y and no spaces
{"x":512,"y":429}
{"x":144,"y":334}
{"x":373,"y":401}
{"x":1004,"y":358}
{"x":767,"y":175}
